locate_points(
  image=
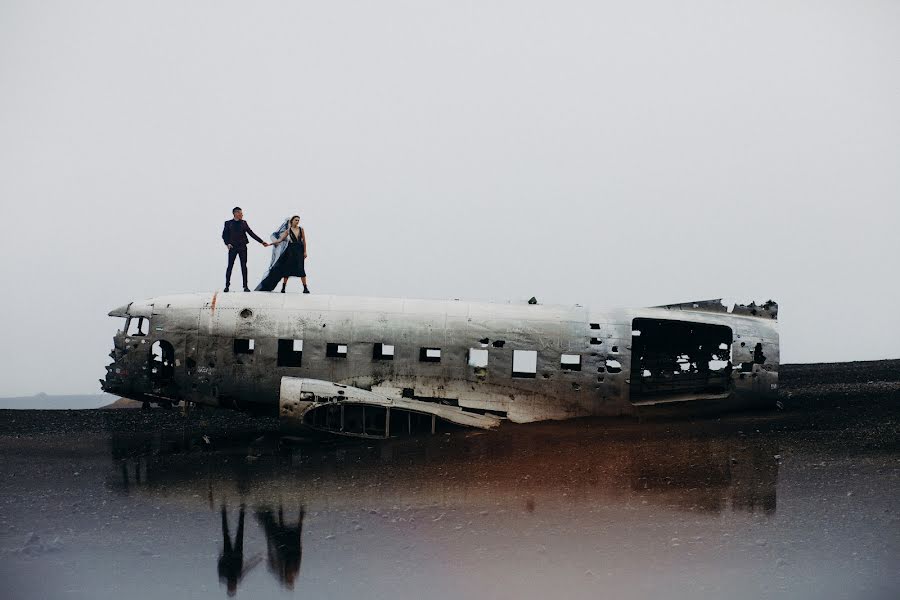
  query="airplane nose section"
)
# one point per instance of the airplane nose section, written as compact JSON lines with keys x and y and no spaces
{"x":142,"y":308}
{"x":122,"y":311}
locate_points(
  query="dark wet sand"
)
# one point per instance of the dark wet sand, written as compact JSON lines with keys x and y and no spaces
{"x":802,"y":502}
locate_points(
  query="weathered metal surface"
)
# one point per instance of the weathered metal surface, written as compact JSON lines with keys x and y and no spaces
{"x":241,"y":351}
{"x":300,"y":396}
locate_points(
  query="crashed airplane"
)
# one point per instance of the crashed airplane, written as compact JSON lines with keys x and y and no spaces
{"x":380,"y":367}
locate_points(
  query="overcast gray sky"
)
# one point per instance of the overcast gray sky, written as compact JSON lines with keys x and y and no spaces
{"x":606,"y":153}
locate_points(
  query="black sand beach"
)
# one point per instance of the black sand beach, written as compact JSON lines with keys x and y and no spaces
{"x":797,"y":502}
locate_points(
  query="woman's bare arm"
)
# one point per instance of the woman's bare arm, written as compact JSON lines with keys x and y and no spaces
{"x":303,"y":237}
{"x":281,"y":239}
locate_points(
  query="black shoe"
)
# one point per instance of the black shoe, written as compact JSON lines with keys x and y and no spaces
{"x":283,"y":285}
{"x":226,"y":289}
{"x":246,"y":289}
{"x":305,"y":290}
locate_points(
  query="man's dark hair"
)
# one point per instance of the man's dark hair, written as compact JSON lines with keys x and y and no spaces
{"x":235,"y":209}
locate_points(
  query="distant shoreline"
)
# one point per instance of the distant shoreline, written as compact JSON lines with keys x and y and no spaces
{"x":58,"y":402}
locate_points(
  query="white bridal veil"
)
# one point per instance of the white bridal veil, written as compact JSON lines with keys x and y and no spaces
{"x":277,"y":249}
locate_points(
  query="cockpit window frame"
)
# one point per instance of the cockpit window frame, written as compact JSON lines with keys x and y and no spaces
{"x":142,"y":324}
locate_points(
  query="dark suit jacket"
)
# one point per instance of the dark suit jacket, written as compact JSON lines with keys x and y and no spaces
{"x":236,"y":232}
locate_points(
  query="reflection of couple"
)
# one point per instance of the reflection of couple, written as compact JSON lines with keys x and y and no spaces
{"x":231,"y":561}
{"x":284,"y":544}
{"x":288,"y":253}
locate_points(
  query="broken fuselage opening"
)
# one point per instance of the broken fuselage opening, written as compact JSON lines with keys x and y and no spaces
{"x":679,"y":359}
{"x":162,"y":361}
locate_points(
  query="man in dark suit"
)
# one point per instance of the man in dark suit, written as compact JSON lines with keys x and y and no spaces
{"x":235,"y":237}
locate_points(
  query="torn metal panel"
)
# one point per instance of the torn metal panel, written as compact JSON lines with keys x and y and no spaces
{"x":300,"y":398}
{"x":768,"y":309}
{"x":240,"y":350}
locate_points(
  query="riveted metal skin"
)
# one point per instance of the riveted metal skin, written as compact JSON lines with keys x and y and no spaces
{"x":223,"y":350}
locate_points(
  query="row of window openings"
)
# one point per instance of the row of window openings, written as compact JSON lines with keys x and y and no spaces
{"x":290,"y":354}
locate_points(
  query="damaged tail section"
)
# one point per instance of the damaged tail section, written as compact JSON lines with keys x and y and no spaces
{"x":766,"y":310}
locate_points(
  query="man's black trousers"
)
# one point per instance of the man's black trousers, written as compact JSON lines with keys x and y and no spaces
{"x":232,"y":253}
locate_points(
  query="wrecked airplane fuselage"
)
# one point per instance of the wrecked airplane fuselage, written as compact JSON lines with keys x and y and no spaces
{"x":376,"y":367}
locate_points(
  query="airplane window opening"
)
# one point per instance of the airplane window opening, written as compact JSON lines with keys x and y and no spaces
{"x":595,"y":325}
{"x":290,"y":353}
{"x":613,"y":366}
{"x":570,"y":362}
{"x":596,"y":341}
{"x":383,"y":352}
{"x":478,"y":358}
{"x":139,"y":326}
{"x":243,"y":346}
{"x":524,"y":363}
{"x":430,"y":354}
{"x":334,"y":350}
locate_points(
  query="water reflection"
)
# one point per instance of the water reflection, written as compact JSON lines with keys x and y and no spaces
{"x":524,"y":478}
{"x":283,"y":543}
{"x":231,"y":561}
{"x":706,"y":475}
{"x":529,"y":469}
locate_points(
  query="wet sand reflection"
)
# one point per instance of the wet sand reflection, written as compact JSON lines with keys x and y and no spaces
{"x":284,"y":544}
{"x":231,"y":561}
{"x":696,"y":474}
{"x":548,"y":475}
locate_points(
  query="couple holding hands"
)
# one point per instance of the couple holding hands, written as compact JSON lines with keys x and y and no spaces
{"x":288,"y":252}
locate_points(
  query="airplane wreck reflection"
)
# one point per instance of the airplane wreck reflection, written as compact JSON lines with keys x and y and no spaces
{"x":704,"y":473}
{"x":522,"y":476}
